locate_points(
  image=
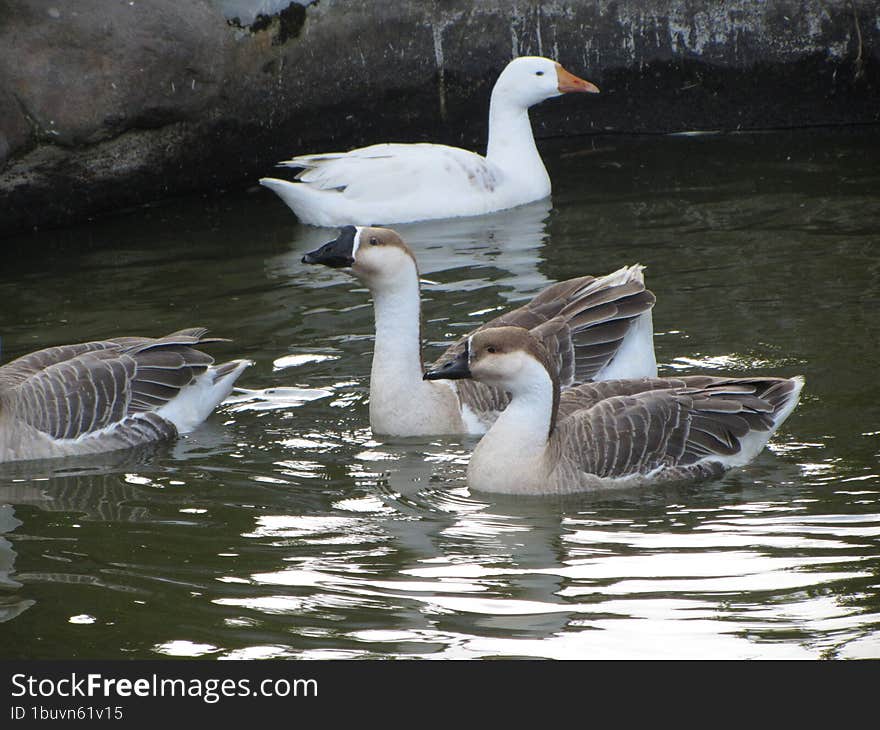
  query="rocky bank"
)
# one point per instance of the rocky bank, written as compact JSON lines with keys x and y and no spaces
{"x":111,"y":103}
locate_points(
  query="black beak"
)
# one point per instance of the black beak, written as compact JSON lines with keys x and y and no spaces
{"x":455,"y":369}
{"x":336,"y":254}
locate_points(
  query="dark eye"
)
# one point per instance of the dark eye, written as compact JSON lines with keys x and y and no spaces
{"x":374,"y":241}
{"x":539,"y":73}
{"x":491,"y":349}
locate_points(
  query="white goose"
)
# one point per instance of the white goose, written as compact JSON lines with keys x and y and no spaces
{"x":109,"y":394}
{"x":398,"y":183}
{"x":606,"y":333}
{"x":616,"y":433}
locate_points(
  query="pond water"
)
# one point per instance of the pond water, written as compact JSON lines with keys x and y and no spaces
{"x":282,"y":528}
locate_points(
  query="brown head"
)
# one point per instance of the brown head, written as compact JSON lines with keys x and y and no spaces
{"x":371,"y":254}
{"x":510,"y":358}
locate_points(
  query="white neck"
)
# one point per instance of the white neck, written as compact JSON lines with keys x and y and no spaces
{"x":401,"y":402}
{"x":511,"y":144}
{"x":515,"y":445}
{"x":396,"y":306}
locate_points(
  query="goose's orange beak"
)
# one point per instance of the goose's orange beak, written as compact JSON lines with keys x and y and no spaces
{"x":568,"y":82}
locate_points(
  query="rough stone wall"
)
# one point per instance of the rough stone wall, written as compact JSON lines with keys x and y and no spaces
{"x":105,"y":104}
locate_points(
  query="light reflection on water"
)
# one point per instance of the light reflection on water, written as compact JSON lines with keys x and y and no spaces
{"x":283,"y":529}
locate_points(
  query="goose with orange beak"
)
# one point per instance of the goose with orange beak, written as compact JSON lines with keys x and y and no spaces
{"x":398,"y":183}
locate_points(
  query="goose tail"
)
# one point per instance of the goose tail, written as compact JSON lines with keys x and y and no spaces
{"x":195,"y":402}
{"x":783,"y":396}
{"x":302,"y":199}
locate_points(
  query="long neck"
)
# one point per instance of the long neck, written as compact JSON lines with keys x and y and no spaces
{"x":397,"y":349}
{"x":511,"y":142}
{"x":523,"y":429}
{"x":401,"y":402}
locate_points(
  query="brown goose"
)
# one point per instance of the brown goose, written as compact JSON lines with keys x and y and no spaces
{"x":109,"y":394}
{"x":609,"y":434}
{"x":605,"y":332}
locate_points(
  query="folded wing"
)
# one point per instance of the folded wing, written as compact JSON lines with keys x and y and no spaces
{"x":388,"y":171}
{"x":688,"y":426}
{"x":583,"y":322}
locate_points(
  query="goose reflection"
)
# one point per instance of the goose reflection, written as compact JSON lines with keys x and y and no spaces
{"x":118,"y":488}
{"x":520,"y":548}
{"x":521,"y":577}
{"x":501,"y":249}
{"x":108,"y":487}
{"x":11,"y":603}
{"x":412,"y":540}
{"x":76,"y":486}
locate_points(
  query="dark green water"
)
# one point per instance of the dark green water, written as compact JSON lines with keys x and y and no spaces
{"x":282,"y":529}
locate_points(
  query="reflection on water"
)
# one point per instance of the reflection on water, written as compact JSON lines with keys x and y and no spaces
{"x":11,"y":605}
{"x":467,"y":254}
{"x":282,"y":528}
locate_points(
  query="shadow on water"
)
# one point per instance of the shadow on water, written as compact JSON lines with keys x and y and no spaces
{"x":283,"y":528}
